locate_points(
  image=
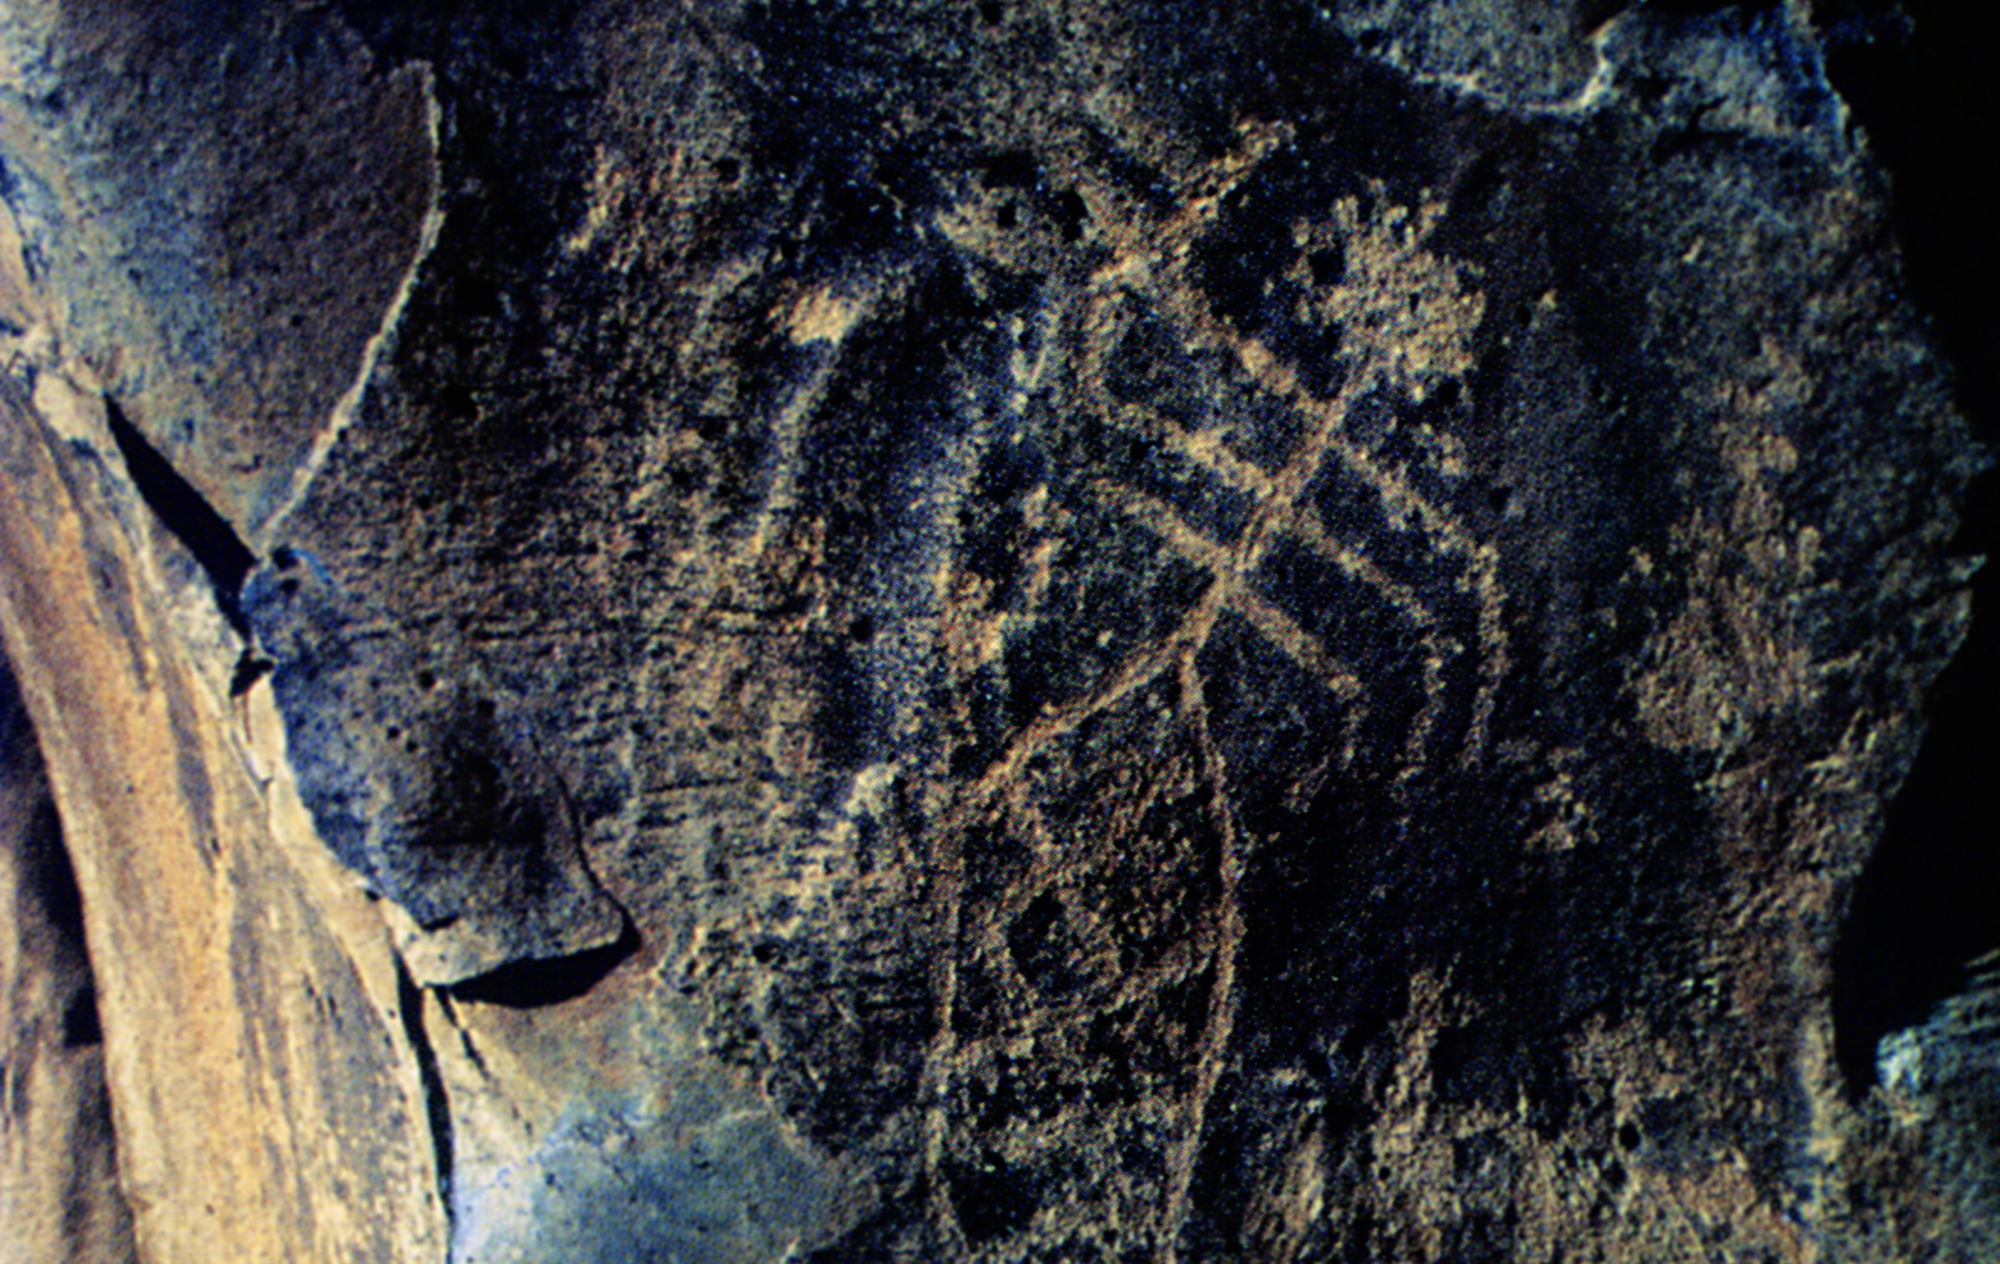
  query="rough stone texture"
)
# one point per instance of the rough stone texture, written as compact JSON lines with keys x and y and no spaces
{"x":269,"y":1099}
{"x":425,"y":787}
{"x":1943,"y":1081}
{"x":59,"y":1198}
{"x":1097,"y":631}
{"x":151,"y":148}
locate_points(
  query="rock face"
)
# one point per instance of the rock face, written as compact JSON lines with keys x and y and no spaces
{"x":421,"y":788}
{"x":977,"y":631}
{"x":59,"y":1196}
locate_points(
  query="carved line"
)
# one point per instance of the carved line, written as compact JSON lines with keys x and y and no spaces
{"x":1210,"y":453}
{"x":1301,"y":646}
{"x":1139,"y":669}
{"x":1227,"y":934}
{"x":1326,"y":439}
{"x":1300,"y":522}
{"x":788,"y":434}
{"x":1143,"y":269}
{"x":1279,"y":512}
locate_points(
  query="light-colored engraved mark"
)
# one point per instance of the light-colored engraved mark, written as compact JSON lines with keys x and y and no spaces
{"x":1226,"y":936}
{"x":1230,"y":590}
{"x":1206,"y":450}
{"x":1397,"y":305}
{"x":1414,"y":326}
{"x":820,"y":316}
{"x":1405,"y":320}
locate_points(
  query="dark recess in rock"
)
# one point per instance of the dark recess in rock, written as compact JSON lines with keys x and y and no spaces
{"x":548,"y":981}
{"x":1923,"y":80}
{"x":214,"y":544}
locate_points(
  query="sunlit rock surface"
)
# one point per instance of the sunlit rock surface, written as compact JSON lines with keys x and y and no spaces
{"x":987,"y":631}
{"x":59,"y":1197}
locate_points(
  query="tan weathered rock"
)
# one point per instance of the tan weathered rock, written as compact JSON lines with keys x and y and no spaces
{"x":59,"y":1196}
{"x":266,"y":1099}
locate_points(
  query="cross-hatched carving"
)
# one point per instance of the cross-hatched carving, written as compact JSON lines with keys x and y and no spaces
{"x":1405,"y":320}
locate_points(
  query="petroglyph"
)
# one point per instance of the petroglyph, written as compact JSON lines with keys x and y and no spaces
{"x":1164,"y":632}
{"x":1404,"y":318}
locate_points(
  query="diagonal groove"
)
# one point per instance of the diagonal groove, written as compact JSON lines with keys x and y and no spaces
{"x":187,"y":516}
{"x":1227,"y":941}
{"x":1157,"y":261}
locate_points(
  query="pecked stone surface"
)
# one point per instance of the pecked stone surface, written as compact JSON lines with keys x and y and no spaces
{"x":1027,"y":632}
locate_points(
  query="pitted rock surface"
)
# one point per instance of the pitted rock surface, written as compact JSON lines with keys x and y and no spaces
{"x":1189,"y":632}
